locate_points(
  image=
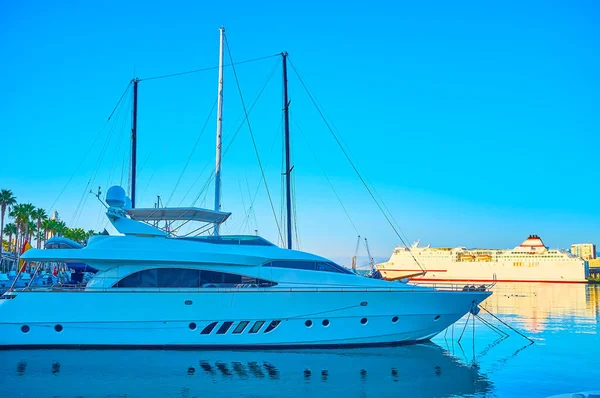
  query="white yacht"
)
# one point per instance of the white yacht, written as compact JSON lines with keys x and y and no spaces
{"x":153,"y":289}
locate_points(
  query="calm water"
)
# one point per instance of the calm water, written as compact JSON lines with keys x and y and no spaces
{"x":562,"y":320}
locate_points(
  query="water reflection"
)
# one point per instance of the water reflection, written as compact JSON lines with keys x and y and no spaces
{"x":561,"y":318}
{"x":420,"y":370}
{"x":535,"y":304}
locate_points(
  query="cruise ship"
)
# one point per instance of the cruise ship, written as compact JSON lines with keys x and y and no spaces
{"x":531,"y":261}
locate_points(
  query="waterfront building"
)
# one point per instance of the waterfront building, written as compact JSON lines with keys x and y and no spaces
{"x":586,"y":251}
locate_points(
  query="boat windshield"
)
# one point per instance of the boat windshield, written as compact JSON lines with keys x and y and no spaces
{"x":246,"y":240}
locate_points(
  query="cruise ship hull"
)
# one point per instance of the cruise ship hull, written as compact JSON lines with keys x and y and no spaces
{"x":177,"y":320}
{"x":487,"y":272}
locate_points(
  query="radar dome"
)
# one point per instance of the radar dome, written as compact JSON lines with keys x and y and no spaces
{"x":127,"y":204}
{"x":115,"y":196}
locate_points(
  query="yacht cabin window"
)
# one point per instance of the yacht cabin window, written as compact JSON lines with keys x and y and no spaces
{"x":188,"y":278}
{"x":308,"y":265}
{"x":244,"y":240}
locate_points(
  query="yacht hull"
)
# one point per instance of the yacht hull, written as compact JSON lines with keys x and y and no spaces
{"x":244,"y":318}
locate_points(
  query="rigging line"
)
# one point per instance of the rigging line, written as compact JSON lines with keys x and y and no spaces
{"x":253,"y":198}
{"x":177,"y":228}
{"x":247,"y":215}
{"x":82,"y":200}
{"x":116,"y":154}
{"x":119,"y":102}
{"x":204,"y":187}
{"x":366,"y":177}
{"x":252,"y":136}
{"x":119,"y":119}
{"x":232,"y":139}
{"x":327,"y":178}
{"x":147,"y":185}
{"x":89,"y":150}
{"x":81,"y":205}
{"x":350,"y":161}
{"x":209,"y":68}
{"x":282,"y":192}
{"x":192,"y":152}
{"x":251,"y":208}
{"x":114,"y":167}
{"x":294,"y":212}
{"x":253,"y":104}
{"x":139,"y":172}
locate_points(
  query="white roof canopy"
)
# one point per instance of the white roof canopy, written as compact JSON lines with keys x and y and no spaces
{"x":178,"y":214}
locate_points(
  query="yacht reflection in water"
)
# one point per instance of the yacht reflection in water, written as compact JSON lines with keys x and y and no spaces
{"x":417,"y":370}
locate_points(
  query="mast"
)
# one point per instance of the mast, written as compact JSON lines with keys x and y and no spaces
{"x":134,"y":140}
{"x":288,"y":170}
{"x":219,"y":129}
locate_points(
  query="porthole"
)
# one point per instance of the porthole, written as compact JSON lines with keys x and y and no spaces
{"x":308,"y":323}
{"x":363,"y":321}
{"x":25,"y":329}
{"x":58,"y":328}
{"x":395,"y":319}
{"x":436,"y":318}
{"x":325,"y":322}
{"x":192,"y":326}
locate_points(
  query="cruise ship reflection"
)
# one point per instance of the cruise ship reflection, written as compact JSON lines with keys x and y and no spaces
{"x":536,"y":304}
{"x":418,"y":370}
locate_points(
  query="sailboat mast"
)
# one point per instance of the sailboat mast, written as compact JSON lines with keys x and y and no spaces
{"x":219,"y":129}
{"x":134,"y":141}
{"x":288,"y":170}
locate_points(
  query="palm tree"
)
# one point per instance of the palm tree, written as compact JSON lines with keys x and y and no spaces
{"x":7,"y":199}
{"x":40,"y":215}
{"x":60,"y":228}
{"x":79,"y":235}
{"x":31,"y":229}
{"x":39,"y":236}
{"x":17,"y":213}
{"x":28,"y":209}
{"x":46,"y":225}
{"x":10,"y":229}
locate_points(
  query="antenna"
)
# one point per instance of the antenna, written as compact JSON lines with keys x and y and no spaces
{"x":97,"y":195}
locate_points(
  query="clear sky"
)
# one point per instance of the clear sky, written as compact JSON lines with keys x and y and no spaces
{"x":478,"y":123}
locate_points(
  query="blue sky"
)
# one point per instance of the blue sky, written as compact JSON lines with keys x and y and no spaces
{"x":477,"y":122}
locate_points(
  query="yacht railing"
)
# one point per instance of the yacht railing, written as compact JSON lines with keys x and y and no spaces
{"x":458,"y":286}
{"x":404,"y":288}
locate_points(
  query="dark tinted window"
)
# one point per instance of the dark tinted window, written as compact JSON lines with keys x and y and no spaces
{"x":308,"y":265}
{"x":188,"y":278}
{"x":224,"y":327}
{"x":146,"y":278}
{"x":178,"y":277}
{"x":256,"y":327}
{"x":246,"y":240}
{"x":240,"y":327}
{"x":219,"y":278}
